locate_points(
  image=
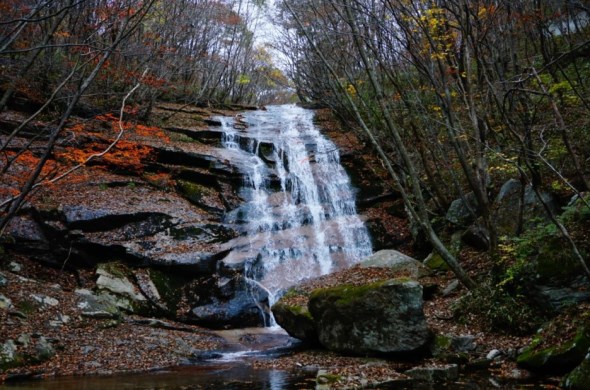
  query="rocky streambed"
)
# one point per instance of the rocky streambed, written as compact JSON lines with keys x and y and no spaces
{"x":147,"y":261}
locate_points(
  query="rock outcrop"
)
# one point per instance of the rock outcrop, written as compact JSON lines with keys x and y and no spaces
{"x":170,"y":235}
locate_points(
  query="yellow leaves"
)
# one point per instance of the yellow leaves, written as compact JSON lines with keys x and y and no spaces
{"x":244,"y":79}
{"x":438,"y":55}
{"x":434,"y":31}
{"x":485,"y":12}
{"x":482,"y":12}
{"x":351,"y":90}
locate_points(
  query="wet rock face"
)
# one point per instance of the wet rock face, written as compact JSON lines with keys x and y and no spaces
{"x":228,"y":302}
{"x":383,"y":318}
{"x":162,"y":237}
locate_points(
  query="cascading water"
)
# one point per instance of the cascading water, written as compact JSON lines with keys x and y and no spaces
{"x":299,"y":219}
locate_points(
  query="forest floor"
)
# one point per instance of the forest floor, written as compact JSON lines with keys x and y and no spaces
{"x":98,"y":347}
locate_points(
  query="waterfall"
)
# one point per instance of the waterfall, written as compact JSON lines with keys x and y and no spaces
{"x":299,"y":218}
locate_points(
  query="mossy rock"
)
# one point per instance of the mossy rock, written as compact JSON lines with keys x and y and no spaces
{"x":441,"y":345}
{"x":344,"y":294}
{"x":435,"y":262}
{"x":116,"y":278}
{"x":297,"y":321}
{"x":169,"y":287}
{"x":556,"y":260}
{"x":384,"y":317}
{"x":579,"y":378}
{"x":200,"y":195}
{"x":115,"y":268}
{"x":556,"y":359}
{"x":325,"y":378}
{"x":451,"y":349}
{"x":9,"y":357}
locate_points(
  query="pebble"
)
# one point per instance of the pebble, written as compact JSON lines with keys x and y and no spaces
{"x":450,"y":288}
{"x":13,"y":266}
{"x":24,"y":339}
{"x":494,"y":353}
{"x":60,"y":319}
{"x":3,"y":280}
{"x":87,"y":349}
{"x":5,"y":303}
{"x":44,"y":300}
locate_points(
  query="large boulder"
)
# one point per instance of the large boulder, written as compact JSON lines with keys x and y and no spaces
{"x":101,"y":305}
{"x":380,"y":318}
{"x":579,"y":378}
{"x":463,"y":211}
{"x":511,"y":202}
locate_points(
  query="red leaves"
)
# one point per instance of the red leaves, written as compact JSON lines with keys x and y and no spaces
{"x":126,"y":155}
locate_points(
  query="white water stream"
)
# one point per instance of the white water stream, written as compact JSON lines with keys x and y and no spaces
{"x":299,"y":219}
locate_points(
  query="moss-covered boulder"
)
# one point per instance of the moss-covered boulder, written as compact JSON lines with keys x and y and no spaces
{"x":559,"y":358}
{"x":579,"y":378}
{"x":435,"y":262}
{"x":380,"y":318}
{"x":297,"y":321}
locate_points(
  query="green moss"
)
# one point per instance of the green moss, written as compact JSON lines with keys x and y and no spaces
{"x":579,"y":378}
{"x":196,"y":193}
{"x":295,"y":292}
{"x":192,"y":191}
{"x":557,"y":358}
{"x":436,"y":263}
{"x":297,"y":310}
{"x":344,"y":294}
{"x":442,"y":341}
{"x":18,"y":361}
{"x":169,"y":287}
{"x":179,"y":137}
{"x":27,"y":307}
{"x":115,"y":268}
{"x":327,"y":378}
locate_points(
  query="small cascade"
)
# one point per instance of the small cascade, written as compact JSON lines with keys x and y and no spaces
{"x":299,"y":217}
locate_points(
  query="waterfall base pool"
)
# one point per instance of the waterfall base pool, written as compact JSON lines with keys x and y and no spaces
{"x":208,"y":376}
